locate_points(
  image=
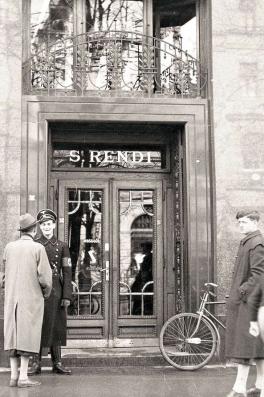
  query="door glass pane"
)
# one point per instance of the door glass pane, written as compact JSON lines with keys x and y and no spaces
{"x":84,"y":208}
{"x":136,"y":292}
{"x":51,"y":22}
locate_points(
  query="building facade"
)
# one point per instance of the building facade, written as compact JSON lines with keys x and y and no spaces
{"x":139,"y":122}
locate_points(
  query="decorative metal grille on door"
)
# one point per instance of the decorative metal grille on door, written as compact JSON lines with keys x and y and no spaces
{"x":84,"y":209}
{"x":136,"y":292}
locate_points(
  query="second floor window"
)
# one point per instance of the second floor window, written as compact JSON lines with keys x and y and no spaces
{"x":148,"y":46}
{"x":50,"y":21}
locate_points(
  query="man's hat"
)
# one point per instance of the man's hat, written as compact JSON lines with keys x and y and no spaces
{"x":26,"y":221}
{"x":46,"y":215}
{"x":249,"y":213}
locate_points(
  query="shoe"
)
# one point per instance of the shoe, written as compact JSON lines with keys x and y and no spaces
{"x":13,"y":382}
{"x":60,"y":369}
{"x":34,"y":370}
{"x":28,"y":383}
{"x":253,"y":392}
{"x":236,"y":394}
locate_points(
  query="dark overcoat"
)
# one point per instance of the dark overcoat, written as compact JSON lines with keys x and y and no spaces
{"x":248,"y":267}
{"x":54,"y":326}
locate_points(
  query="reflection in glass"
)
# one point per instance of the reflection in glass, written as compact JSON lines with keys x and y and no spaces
{"x":177,"y":28}
{"x":136,"y":247}
{"x":114,"y":15}
{"x":177,"y":24}
{"x":51,"y":22}
{"x":85,"y":242}
{"x":123,"y":53}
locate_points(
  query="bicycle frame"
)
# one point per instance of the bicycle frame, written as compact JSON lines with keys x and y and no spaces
{"x":208,"y":316}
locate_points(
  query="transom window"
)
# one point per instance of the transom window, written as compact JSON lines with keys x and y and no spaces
{"x":94,"y":156}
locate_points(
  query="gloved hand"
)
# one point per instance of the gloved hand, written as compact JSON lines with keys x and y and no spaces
{"x":254,"y":328}
{"x":65,"y":303}
{"x":243,"y":294}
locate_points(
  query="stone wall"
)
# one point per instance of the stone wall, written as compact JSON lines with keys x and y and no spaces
{"x":238,"y":112}
{"x":10,"y":128}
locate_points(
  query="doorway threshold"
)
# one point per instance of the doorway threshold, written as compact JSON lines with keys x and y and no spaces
{"x":107,"y":357}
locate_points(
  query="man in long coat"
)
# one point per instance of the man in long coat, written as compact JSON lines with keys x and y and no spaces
{"x":240,"y":346}
{"x":54,"y":322}
{"x":27,"y":279}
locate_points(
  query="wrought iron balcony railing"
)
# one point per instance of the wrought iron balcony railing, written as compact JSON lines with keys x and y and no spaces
{"x":113,"y":63}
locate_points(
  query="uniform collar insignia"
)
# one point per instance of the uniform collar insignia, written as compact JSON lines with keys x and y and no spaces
{"x":46,"y":241}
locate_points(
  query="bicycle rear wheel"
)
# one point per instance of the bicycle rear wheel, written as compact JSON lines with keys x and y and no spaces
{"x":183,"y":346}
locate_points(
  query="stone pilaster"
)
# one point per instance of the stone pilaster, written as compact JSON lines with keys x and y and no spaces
{"x":10,"y":127}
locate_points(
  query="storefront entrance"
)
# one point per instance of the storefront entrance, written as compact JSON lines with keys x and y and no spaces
{"x":112,"y":202}
{"x":114,"y":229}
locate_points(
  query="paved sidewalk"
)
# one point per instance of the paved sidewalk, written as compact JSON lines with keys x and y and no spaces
{"x":129,"y":382}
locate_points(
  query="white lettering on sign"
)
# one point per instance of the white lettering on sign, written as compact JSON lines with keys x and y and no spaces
{"x":149,"y":160}
{"x":110,"y":157}
{"x":75,"y":156}
{"x":122,"y":156}
{"x":137,"y":157}
{"x":94,"y":154}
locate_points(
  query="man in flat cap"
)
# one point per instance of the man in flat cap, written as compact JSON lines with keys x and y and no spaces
{"x":27,"y":281}
{"x":54,"y":321}
{"x":241,"y":347}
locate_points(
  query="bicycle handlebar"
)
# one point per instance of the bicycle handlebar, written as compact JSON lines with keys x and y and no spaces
{"x":211,"y":285}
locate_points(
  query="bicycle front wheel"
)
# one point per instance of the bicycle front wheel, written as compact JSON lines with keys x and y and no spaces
{"x":186,"y":346}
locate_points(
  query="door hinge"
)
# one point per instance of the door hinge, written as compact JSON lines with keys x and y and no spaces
{"x":56,"y":192}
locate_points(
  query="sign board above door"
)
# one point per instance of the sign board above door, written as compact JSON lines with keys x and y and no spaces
{"x":89,"y":156}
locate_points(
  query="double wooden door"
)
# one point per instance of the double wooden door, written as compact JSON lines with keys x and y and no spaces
{"x":115,"y":231}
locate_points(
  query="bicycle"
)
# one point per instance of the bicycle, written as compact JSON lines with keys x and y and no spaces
{"x":188,"y":341}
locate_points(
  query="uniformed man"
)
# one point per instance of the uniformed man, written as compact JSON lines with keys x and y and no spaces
{"x":54,"y":321}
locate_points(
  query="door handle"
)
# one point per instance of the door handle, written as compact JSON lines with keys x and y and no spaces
{"x":107,"y":263}
{"x":106,"y":270}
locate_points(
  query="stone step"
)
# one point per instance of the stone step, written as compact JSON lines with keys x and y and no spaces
{"x":100,"y":357}
{"x":116,"y":357}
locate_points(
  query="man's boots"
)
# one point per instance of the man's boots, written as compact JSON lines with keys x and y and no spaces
{"x":58,"y":368}
{"x":35,"y":368}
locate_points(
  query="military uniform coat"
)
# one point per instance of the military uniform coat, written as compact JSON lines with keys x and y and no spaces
{"x":249,"y":266}
{"x":27,"y":280}
{"x":54,"y":322}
